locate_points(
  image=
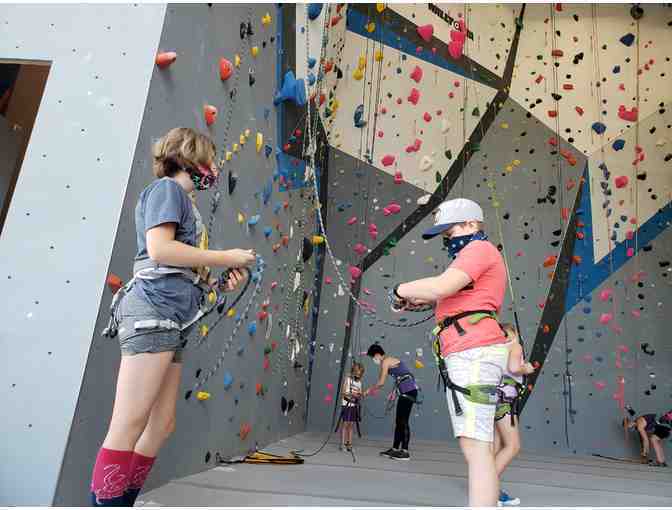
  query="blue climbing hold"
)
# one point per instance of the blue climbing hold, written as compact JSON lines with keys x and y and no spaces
{"x":586,"y":309}
{"x":267,"y":113}
{"x":253,"y":220}
{"x":292,"y":89}
{"x":256,"y":276}
{"x":314,"y":11}
{"x":252,"y":328}
{"x":628,"y":39}
{"x":277,"y":207}
{"x":598,"y":334}
{"x":240,"y":351}
{"x":616,"y":69}
{"x":359,"y":113}
{"x":228,"y":380}
{"x":267,"y":191}
{"x":311,"y":79}
{"x":618,"y":144}
{"x":311,"y":62}
{"x":599,"y":127}
{"x":268,"y":231}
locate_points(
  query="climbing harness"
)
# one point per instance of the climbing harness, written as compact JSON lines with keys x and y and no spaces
{"x":259,"y":457}
{"x":351,"y":402}
{"x":510,"y":392}
{"x":477,"y":393}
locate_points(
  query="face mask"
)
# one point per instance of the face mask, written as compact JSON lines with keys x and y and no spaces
{"x":202,"y":177}
{"x":376,"y":361}
{"x":455,"y":244}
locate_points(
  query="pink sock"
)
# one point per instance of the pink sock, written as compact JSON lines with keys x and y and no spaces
{"x":139,"y":470}
{"x":110,"y":474}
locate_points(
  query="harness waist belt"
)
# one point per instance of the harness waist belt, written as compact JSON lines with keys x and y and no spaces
{"x":148,"y":269}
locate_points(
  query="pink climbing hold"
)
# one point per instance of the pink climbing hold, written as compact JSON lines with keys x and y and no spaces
{"x":457,"y":37}
{"x":394,"y":208}
{"x":629,"y":235}
{"x":427,"y":117}
{"x":629,"y":115}
{"x":327,"y":280}
{"x":621,"y":181}
{"x":373,"y":231}
{"x":387,"y":160}
{"x":605,"y":295}
{"x":636,"y":314}
{"x":605,"y":318}
{"x":414,"y":96}
{"x":415,"y":147}
{"x":629,"y":252}
{"x":600,"y":385}
{"x":355,"y":272}
{"x":328,"y":398}
{"x":416,"y":75}
{"x":352,"y":220}
{"x":426,"y":32}
{"x":359,"y":249}
{"x":380,"y":134}
{"x":330,"y":387}
{"x":398,"y":178}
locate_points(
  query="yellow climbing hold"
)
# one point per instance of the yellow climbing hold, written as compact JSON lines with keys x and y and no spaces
{"x":235,"y":147}
{"x":429,"y":260}
{"x":358,"y":74}
{"x":231,"y":312}
{"x":202,"y":395}
{"x":504,"y":125}
{"x":334,"y":105}
{"x":247,"y":133}
{"x":212,"y":297}
{"x":266,"y":19}
{"x":228,"y":155}
{"x":361,"y":63}
{"x":371,"y":27}
{"x":380,"y":7}
{"x":516,"y":162}
{"x":236,"y":61}
{"x":318,"y":239}
{"x":419,"y":364}
{"x":509,"y":168}
{"x":204,"y":330}
{"x":260,"y":141}
{"x":242,"y":139}
{"x":254,"y":50}
{"x":241,"y":218}
{"x":378,"y":55}
{"x":495,"y":203}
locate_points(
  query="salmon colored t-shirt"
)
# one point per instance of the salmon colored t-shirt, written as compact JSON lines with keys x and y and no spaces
{"x":485,"y":266}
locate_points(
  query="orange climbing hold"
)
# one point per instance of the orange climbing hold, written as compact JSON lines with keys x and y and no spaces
{"x":557,"y":53}
{"x":546,"y":328}
{"x":210,"y":114}
{"x":550,"y":260}
{"x":225,"y":69}
{"x":114,"y":282}
{"x":245,"y":429}
{"x":164,"y":59}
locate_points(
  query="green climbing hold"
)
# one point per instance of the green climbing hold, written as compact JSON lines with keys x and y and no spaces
{"x":437,"y":177}
{"x":475,"y":112}
{"x":475,"y":147}
{"x":519,"y":23}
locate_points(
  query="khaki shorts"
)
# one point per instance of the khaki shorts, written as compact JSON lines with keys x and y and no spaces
{"x":482,"y":365}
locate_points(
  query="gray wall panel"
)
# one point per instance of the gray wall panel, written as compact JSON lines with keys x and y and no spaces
{"x":58,"y":236}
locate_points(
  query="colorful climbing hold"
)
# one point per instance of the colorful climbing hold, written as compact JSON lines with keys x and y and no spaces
{"x":165,"y":59}
{"x":210,"y":114}
{"x":225,"y":69}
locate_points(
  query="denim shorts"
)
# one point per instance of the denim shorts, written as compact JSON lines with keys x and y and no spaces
{"x":133,"y":308}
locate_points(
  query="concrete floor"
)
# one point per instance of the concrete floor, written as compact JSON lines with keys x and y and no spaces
{"x":435,"y":476}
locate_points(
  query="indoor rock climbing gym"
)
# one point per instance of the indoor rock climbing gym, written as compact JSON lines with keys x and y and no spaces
{"x":335,"y":254}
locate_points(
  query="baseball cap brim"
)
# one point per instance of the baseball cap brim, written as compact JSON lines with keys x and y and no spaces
{"x":435,"y":230}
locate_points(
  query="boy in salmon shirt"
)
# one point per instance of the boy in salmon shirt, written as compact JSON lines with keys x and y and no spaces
{"x":467,"y":297}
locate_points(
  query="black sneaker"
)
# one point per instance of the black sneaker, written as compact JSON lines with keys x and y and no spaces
{"x":388,"y":452}
{"x":400,"y":455}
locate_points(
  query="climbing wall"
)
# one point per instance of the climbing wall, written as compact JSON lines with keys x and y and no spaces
{"x":587,"y":249}
{"x":244,"y":382}
{"x":245,"y":377}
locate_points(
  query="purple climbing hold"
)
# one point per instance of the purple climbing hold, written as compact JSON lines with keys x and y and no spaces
{"x":628,"y":39}
{"x":599,"y":127}
{"x":618,"y":144}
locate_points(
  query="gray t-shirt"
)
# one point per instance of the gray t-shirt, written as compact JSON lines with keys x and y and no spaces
{"x":165,"y":201}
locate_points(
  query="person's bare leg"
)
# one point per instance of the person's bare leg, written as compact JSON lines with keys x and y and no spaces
{"x":658,"y":448}
{"x":510,"y":437}
{"x":138,"y":387}
{"x":641,"y":428}
{"x":483,"y":482}
{"x":497,"y":443}
{"x":161,"y":423}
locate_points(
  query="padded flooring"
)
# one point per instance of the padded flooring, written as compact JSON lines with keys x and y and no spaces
{"x":435,"y":476}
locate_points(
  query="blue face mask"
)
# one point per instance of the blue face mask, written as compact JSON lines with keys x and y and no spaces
{"x":455,"y":244}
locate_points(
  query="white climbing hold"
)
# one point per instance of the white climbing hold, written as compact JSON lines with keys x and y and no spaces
{"x":426,"y":163}
{"x":424,"y":199}
{"x":445,"y":126}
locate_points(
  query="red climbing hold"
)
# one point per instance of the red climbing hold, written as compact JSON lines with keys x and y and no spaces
{"x":416,"y":75}
{"x":210,"y":114}
{"x":387,"y":160}
{"x":415,"y":147}
{"x":398,"y":178}
{"x":565,"y":213}
{"x":336,"y":19}
{"x":352,"y":220}
{"x":557,"y":53}
{"x":579,"y":110}
{"x":414,"y":96}
{"x":114,"y":282}
{"x":629,"y":115}
{"x":328,"y":66}
{"x":426,"y":32}
{"x":621,"y":181}
{"x":225,"y":69}
{"x":552,"y":113}
{"x":550,"y":260}
{"x":567,"y":86}
{"x":558,"y":7}
{"x":538,"y":79}
{"x":164,"y":59}
{"x":427,"y":117}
